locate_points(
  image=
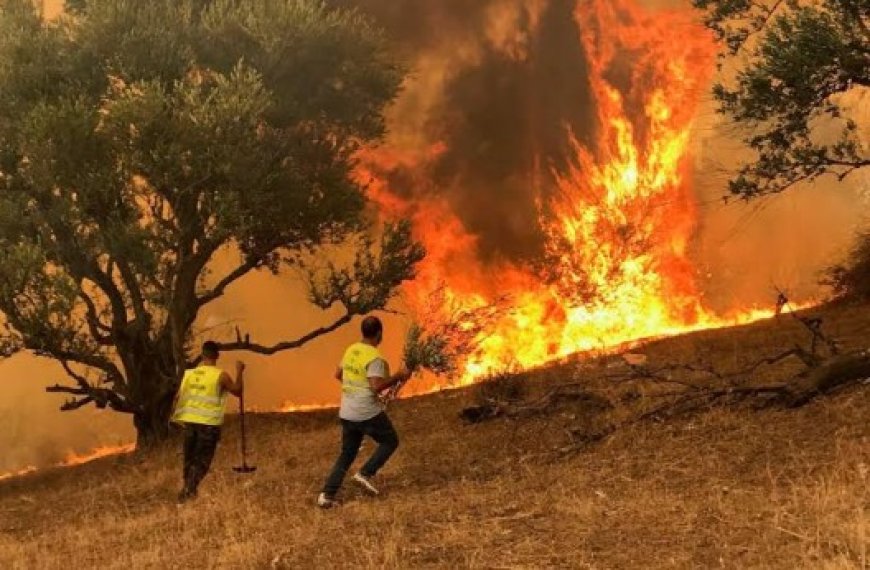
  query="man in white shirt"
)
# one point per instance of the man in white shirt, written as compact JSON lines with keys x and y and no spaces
{"x":363,"y":374}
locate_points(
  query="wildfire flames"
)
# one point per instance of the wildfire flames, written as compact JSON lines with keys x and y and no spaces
{"x":103,"y":451}
{"x":73,"y":458}
{"x":618,"y":225}
{"x":290,"y":407}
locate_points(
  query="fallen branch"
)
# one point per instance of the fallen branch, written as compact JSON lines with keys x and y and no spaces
{"x":494,"y":407}
{"x":665,"y":373}
{"x":833,"y":373}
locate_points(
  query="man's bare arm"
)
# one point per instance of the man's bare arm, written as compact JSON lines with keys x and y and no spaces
{"x":379,"y":384}
{"x":237,"y":386}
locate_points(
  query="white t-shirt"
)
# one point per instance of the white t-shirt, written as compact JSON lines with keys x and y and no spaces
{"x":359,"y":406}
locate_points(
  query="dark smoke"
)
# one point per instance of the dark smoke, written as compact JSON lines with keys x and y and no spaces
{"x":505,"y":119}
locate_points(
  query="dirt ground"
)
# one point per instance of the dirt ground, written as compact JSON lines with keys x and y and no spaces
{"x":725,"y":487}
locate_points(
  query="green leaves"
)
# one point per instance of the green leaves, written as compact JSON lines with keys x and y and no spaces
{"x":789,"y":89}
{"x":135,"y":40}
{"x":446,"y":338}
{"x":851,"y":279}
{"x":800,"y":60}
{"x":371,"y":280}
{"x":428,"y":351}
{"x":332,"y":67}
{"x":37,"y":303}
{"x":137,"y":139}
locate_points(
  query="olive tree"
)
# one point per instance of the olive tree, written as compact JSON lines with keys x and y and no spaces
{"x":799,"y":67}
{"x":140,"y":140}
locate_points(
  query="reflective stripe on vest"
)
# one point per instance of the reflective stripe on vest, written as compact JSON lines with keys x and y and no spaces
{"x":354,"y":375}
{"x":201,"y":398}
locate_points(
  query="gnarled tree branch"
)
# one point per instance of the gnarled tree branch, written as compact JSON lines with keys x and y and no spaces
{"x":246,"y":345}
{"x":218,"y":290}
{"x":89,"y":393}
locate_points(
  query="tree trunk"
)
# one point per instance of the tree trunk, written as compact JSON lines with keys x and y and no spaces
{"x":152,"y":381}
{"x":152,"y":423}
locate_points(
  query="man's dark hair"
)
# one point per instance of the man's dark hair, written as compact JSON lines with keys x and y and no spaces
{"x":371,"y":327}
{"x":210,"y":350}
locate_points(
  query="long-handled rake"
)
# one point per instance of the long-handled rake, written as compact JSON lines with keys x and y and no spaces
{"x":244,"y":467}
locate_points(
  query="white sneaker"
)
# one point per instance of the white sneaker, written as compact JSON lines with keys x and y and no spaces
{"x":366,"y":483}
{"x":325,"y":502}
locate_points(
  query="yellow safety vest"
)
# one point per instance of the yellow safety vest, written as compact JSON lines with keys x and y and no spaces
{"x":353,"y":367}
{"x":201,"y":398}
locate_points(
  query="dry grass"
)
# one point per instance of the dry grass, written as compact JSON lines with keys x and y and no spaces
{"x":729,"y":488}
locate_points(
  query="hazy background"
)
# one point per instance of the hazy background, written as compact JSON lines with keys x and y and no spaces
{"x":497,"y":81}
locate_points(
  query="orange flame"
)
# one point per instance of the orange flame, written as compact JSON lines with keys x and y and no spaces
{"x":72,"y":458}
{"x":620,"y":224}
{"x":289,"y":407}
{"x":18,"y":473}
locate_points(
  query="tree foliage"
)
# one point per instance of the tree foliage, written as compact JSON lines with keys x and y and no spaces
{"x":851,"y":279}
{"x":797,"y":64}
{"x":138,"y":140}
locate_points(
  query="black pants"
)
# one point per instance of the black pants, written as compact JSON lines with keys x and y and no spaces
{"x":200,"y":443}
{"x":380,"y":429}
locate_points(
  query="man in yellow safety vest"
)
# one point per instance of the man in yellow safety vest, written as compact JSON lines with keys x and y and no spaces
{"x":363,"y":374}
{"x":199,"y":407}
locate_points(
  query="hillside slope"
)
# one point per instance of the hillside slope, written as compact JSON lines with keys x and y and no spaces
{"x":729,"y":487}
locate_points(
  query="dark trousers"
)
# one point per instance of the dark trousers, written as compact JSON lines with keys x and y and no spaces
{"x":200,"y":443}
{"x":380,"y":429}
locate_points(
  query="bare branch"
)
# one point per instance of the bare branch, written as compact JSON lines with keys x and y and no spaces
{"x":92,"y":360}
{"x":101,"y":397}
{"x":759,"y":26}
{"x":57,"y":388}
{"x":96,"y":327}
{"x":814,"y":326}
{"x":249,"y":265}
{"x":246,"y":345}
{"x":73,"y":404}
{"x":664,"y":374}
{"x":135,"y":291}
{"x":80,"y":380}
{"x":737,"y":24}
{"x":79,"y":265}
